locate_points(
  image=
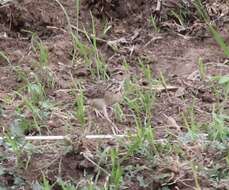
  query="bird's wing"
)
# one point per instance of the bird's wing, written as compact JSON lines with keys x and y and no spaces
{"x":96,"y":91}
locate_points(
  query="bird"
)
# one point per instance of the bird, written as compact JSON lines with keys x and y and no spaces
{"x":105,"y":94}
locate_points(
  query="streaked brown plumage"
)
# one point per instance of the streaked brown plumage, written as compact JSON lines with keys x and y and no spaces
{"x":106,"y":93}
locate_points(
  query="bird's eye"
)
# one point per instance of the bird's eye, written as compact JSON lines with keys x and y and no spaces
{"x":121,"y":73}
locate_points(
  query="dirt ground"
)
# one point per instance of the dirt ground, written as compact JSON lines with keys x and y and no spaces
{"x":174,"y":52}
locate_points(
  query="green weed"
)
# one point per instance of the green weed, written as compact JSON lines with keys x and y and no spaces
{"x":3,"y":56}
{"x":106,"y":27}
{"x":117,"y":172}
{"x":195,"y":174}
{"x":142,"y":102}
{"x":179,"y":17}
{"x":66,"y":185}
{"x":15,"y":145}
{"x":190,"y":123}
{"x":154,"y":24}
{"x":90,"y":53}
{"x":215,"y":34}
{"x":146,"y":70}
{"x":14,"y":141}
{"x":42,"y":71}
{"x":118,"y":112}
{"x":143,"y":142}
{"x":202,"y":69}
{"x":80,"y":109}
{"x":101,"y":67}
{"x":218,"y":129}
{"x":45,"y":184}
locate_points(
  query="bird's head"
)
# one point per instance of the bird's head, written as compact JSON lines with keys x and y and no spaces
{"x":120,"y":75}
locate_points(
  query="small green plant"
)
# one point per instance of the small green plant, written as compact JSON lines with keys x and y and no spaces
{"x":190,"y":123}
{"x":90,"y":53}
{"x":83,"y":50}
{"x":80,"y":108}
{"x":101,"y":68}
{"x":43,"y":54}
{"x":36,"y":92}
{"x":143,"y":142}
{"x":216,"y":35}
{"x":227,"y":159}
{"x":66,"y":185}
{"x":14,"y":141}
{"x":133,"y":105}
{"x":117,"y":172}
{"x":32,"y":108}
{"x":15,"y":146}
{"x":218,"y":129}
{"x":91,"y":186}
{"x":202,"y":69}
{"x":42,"y":71}
{"x":224,"y":82}
{"x":25,"y":124}
{"x":118,"y":112}
{"x":147,"y":101}
{"x":182,"y":14}
{"x":219,"y":39}
{"x":125,"y":64}
{"x":154,"y":24}
{"x":3,"y":56}
{"x":138,"y":141}
{"x":195,"y":175}
{"x":141,"y":101}
{"x":106,"y":27}
{"x":203,"y":15}
{"x":163,"y":80}
{"x":146,"y":69}
{"x":17,"y":182}
{"x":178,"y":17}
{"x":21,"y":74}
{"x":36,"y":103}
{"x":45,"y":184}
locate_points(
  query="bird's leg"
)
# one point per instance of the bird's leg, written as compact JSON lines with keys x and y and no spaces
{"x":106,"y":114}
{"x":113,"y":126}
{"x":98,"y":113}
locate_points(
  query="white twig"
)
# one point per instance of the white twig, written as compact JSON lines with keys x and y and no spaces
{"x":106,"y":136}
{"x":159,"y":5}
{"x":51,"y":138}
{"x":160,"y":88}
{"x":41,"y":137}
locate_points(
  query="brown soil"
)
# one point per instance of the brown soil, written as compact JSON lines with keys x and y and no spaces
{"x":172,"y":52}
